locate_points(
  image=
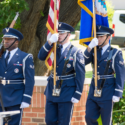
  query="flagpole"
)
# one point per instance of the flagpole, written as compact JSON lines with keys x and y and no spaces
{"x":55,"y":30}
{"x":95,"y":49}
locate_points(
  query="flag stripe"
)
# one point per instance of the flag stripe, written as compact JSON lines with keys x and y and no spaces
{"x":50,"y":31}
{"x":51,"y":15}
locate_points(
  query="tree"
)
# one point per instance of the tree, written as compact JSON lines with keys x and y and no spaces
{"x":33,"y":26}
{"x":110,"y":10}
{"x":33,"y":18}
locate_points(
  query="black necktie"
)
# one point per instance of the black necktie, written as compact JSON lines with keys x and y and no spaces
{"x":100,"y":52}
{"x":7,"y":57}
{"x":59,"y":50}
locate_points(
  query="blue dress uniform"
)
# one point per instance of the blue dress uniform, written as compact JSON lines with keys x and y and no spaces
{"x":113,"y":86}
{"x":18,"y":79}
{"x":59,"y":109}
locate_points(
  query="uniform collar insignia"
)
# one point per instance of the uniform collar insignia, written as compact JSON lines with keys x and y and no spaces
{"x":7,"y":29}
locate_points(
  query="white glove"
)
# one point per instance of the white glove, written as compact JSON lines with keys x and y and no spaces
{"x":93,"y":43}
{"x":74,"y":100}
{"x":24,"y":105}
{"x":115,"y":99}
{"x":54,"y":38}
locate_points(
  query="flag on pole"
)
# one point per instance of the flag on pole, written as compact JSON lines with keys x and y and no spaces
{"x":50,"y":31}
{"x":86,"y":26}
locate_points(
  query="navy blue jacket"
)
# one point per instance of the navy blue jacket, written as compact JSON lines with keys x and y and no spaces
{"x":70,"y":87}
{"x":20,"y":67}
{"x":113,"y":86}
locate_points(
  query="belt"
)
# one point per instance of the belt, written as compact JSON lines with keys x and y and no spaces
{"x":12,"y":82}
{"x":104,"y":76}
{"x":63,"y":77}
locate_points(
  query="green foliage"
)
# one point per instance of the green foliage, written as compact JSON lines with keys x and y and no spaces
{"x":122,"y":123}
{"x":110,"y":10}
{"x":77,"y":27}
{"x":119,"y":110}
{"x":42,"y":14}
{"x":99,"y":120}
{"x":8,"y":9}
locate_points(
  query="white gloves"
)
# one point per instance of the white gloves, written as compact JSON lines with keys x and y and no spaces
{"x":115,"y":99}
{"x":54,"y":38}
{"x":24,"y":105}
{"x":93,"y":43}
{"x":73,"y":100}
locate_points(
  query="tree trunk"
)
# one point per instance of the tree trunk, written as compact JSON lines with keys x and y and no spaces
{"x":34,"y":26}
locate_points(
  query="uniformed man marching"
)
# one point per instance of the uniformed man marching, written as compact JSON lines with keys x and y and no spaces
{"x":17,"y":70}
{"x":110,"y":88}
{"x":70,"y":72}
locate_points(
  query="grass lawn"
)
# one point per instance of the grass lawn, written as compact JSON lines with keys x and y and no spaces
{"x":88,"y":74}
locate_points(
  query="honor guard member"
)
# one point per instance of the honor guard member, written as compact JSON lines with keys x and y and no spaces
{"x":110,"y":88}
{"x":70,"y":77}
{"x":17,"y":70}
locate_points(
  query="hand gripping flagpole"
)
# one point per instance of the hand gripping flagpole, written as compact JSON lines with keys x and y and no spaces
{"x":55,"y":30}
{"x":95,"y":50}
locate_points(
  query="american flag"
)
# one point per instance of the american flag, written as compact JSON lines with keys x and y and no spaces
{"x":50,"y":31}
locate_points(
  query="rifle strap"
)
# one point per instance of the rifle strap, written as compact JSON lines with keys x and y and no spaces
{"x":65,"y":64}
{"x":107,"y":67}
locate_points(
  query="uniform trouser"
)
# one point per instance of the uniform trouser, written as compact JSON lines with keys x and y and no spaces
{"x":58,"y":113}
{"x":94,"y":109}
{"x":15,"y":119}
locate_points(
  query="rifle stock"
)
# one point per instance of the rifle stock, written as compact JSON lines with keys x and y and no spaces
{"x":12,"y":24}
{"x":1,"y":49}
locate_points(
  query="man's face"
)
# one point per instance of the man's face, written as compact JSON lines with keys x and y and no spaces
{"x":8,"y":42}
{"x":101,"y":39}
{"x":62,"y":36}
